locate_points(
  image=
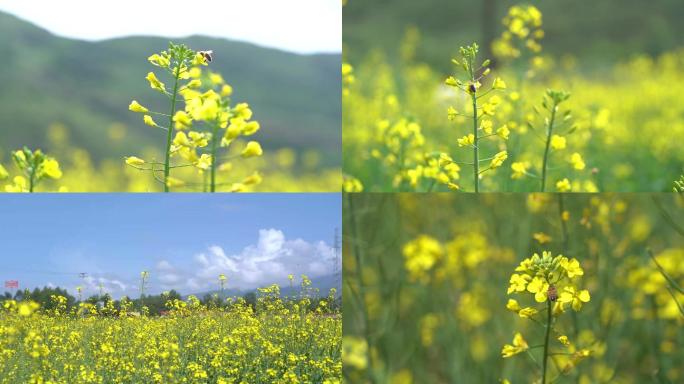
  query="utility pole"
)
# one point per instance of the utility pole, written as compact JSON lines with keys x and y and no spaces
{"x":337,"y":260}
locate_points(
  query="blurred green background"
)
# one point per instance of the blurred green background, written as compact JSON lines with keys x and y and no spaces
{"x":87,"y":86}
{"x":451,"y":327}
{"x":594,"y":31}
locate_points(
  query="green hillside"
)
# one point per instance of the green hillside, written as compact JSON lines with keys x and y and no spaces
{"x":87,"y":86}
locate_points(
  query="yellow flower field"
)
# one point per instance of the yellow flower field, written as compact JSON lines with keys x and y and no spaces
{"x":521,"y":120}
{"x":278,"y":341}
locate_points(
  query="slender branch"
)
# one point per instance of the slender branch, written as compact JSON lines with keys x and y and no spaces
{"x":549,"y":319}
{"x":549,"y":131}
{"x":169,"y":134}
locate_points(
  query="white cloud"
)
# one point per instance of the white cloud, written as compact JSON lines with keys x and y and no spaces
{"x":164,"y":265}
{"x":270,"y":260}
{"x":114,"y":286}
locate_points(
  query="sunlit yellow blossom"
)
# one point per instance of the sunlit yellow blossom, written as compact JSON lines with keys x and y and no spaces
{"x":50,"y":168}
{"x":226,"y":90}
{"x":136,"y":107}
{"x":503,"y":132}
{"x":518,"y":283}
{"x":174,"y":182}
{"x":539,"y":287}
{"x":513,"y":305}
{"x":488,"y":109}
{"x":159,"y":60}
{"x":182,"y":120}
{"x":563,"y":340}
{"x":155,"y":83}
{"x":519,"y":169}
{"x":486,"y":126}
{"x":572,"y":267}
{"x":135,"y":161}
{"x":26,"y":308}
{"x":250,"y":128}
{"x":252,"y":149}
{"x":577,"y":161}
{"x":563,"y":185}
{"x":149,"y":121}
{"x":451,"y":81}
{"x":499,"y":84}
{"x":519,"y":346}
{"x":354,"y":352}
{"x":527,"y":312}
{"x":558,"y":142}
{"x":576,"y":298}
{"x":452,"y":113}
{"x":242,"y":110}
{"x":420,"y":256}
{"x":498,"y":159}
{"x":466,"y":140}
{"x":542,"y":237}
{"x":195,"y":83}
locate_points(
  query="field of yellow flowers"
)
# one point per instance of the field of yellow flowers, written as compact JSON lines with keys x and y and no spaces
{"x":518,"y":121}
{"x":276,"y":341}
{"x":513,"y":288}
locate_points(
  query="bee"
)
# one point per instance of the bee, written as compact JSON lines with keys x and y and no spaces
{"x":552,"y":293}
{"x":207,"y":55}
{"x":472,"y":88}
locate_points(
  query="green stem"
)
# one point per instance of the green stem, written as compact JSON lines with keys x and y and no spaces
{"x":169,"y":133}
{"x":31,"y":181}
{"x":214,"y":142}
{"x":549,"y":131}
{"x":359,"y":273}
{"x":546,"y":340}
{"x":564,"y":225}
{"x":476,"y":155}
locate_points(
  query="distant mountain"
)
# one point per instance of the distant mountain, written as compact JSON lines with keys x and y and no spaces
{"x":323,"y":283}
{"x":87,"y":86}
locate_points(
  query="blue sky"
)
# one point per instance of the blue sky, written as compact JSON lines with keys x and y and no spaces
{"x":304,"y":26}
{"x":183,"y":240}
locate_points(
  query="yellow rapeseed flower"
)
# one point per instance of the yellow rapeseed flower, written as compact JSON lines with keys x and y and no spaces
{"x":136,"y":107}
{"x":252,"y":149}
{"x":558,"y":142}
{"x":519,"y":346}
{"x":563,"y":185}
{"x":148,"y":120}
{"x":498,"y":159}
{"x":466,"y":140}
{"x":155,"y":83}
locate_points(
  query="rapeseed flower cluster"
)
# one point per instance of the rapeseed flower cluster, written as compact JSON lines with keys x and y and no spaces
{"x":522,"y":35}
{"x":551,"y":280}
{"x":479,"y":112}
{"x":199,"y":133}
{"x":34,"y":166}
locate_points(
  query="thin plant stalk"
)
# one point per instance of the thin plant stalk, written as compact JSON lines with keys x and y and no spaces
{"x":359,"y":272}
{"x":214,"y":144}
{"x":549,"y":132}
{"x":549,"y":319}
{"x":476,"y":154}
{"x":169,"y":132}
